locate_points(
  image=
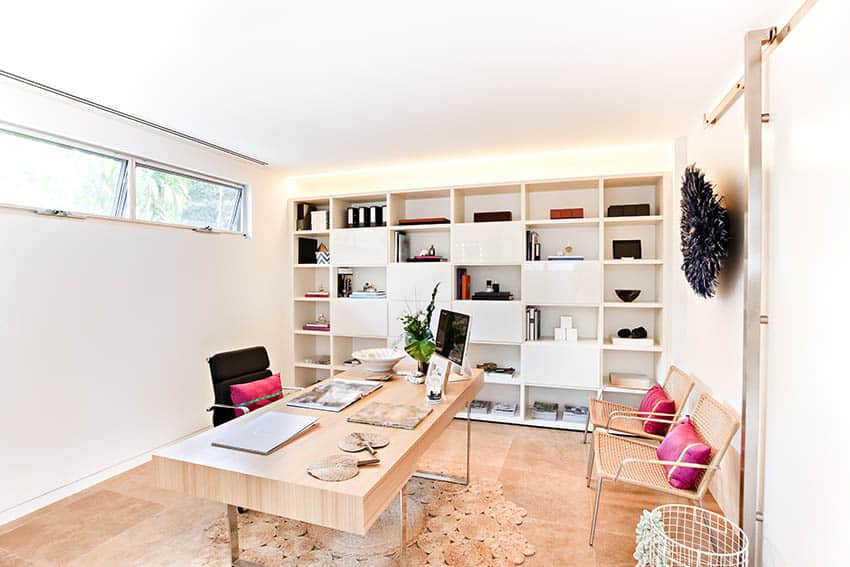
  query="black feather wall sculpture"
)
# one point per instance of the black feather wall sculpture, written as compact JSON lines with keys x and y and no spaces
{"x":705,"y":232}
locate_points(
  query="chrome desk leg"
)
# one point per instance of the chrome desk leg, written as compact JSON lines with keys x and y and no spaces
{"x":233,"y":528}
{"x":402,"y":549}
{"x":453,"y":479}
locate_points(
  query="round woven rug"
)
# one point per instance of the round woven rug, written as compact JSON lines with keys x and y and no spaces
{"x":461,"y":526}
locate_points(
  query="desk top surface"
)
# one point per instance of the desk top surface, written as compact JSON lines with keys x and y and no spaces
{"x":278,"y":483}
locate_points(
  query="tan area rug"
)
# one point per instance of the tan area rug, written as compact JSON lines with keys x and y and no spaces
{"x":448,"y":524}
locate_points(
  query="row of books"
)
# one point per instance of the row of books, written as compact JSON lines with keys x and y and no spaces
{"x":532,"y":246}
{"x":532,"y":323}
{"x":463,"y":284}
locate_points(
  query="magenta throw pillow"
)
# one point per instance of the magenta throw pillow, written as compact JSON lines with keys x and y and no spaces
{"x":684,"y":445}
{"x":656,"y":402}
{"x":256,"y":394}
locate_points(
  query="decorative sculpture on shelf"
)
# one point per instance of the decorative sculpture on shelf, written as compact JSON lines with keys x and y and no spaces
{"x":704,"y":232}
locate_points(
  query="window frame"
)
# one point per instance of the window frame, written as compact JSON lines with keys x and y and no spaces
{"x":125,"y":198}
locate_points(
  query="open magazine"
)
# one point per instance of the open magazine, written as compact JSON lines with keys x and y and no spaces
{"x":333,"y":395}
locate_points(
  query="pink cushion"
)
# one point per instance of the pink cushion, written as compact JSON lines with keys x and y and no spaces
{"x":656,"y":402}
{"x":256,"y":394}
{"x":683,"y":444}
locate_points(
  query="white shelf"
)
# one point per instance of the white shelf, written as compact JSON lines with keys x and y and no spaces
{"x":515,"y":380}
{"x":645,"y":220}
{"x":571,"y":305}
{"x":312,"y":299}
{"x":606,"y":387}
{"x":633,"y":305}
{"x":312,"y":265}
{"x":483,"y":342}
{"x":563,"y":387}
{"x":314,"y":333}
{"x":642,"y":262}
{"x":561,"y":222}
{"x":436,"y":227}
{"x":517,"y":420}
{"x":552,"y":340}
{"x":608,"y":345}
{"x":312,"y":365}
{"x":311,"y":232}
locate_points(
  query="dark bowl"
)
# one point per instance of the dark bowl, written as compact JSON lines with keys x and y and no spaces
{"x":627,"y":295}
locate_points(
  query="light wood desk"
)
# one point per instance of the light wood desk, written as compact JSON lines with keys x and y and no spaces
{"x":278,"y":483}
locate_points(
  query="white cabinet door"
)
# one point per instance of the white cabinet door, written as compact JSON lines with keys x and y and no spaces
{"x":359,"y":317}
{"x":562,"y":282}
{"x":415,"y":281}
{"x":398,"y":308}
{"x":359,"y":246}
{"x":560,"y":363}
{"x":488,"y":243}
{"x":493,"y":321}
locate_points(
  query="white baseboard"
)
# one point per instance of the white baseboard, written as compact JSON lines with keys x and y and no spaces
{"x":33,"y":504}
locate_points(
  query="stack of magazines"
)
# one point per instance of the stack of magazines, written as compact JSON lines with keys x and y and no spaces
{"x":505,"y":409}
{"x":544,"y":410}
{"x":575,"y":414}
{"x":480,"y":407}
{"x":376,"y":294}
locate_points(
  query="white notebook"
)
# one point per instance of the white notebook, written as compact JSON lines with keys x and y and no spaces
{"x":265,"y":433}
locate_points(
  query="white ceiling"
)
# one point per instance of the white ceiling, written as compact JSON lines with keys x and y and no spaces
{"x":321,"y":86}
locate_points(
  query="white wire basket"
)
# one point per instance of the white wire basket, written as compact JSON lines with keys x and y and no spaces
{"x":677,"y":535}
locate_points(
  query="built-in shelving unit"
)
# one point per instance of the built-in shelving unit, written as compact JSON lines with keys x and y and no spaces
{"x":548,"y":370}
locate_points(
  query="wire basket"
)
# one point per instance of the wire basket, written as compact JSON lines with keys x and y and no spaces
{"x":676,"y":535}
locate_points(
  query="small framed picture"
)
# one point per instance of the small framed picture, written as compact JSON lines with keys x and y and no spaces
{"x":437,"y":377}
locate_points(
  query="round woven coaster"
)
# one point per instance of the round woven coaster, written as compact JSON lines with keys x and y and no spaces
{"x":335,"y":468}
{"x":356,"y":441}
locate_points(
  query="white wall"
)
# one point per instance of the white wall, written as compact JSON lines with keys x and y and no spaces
{"x":707,"y":334}
{"x":807,"y":500}
{"x":655,"y":157}
{"x":105,"y":326}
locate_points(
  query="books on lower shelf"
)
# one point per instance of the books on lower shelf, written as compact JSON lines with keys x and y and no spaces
{"x":564,"y":258}
{"x":480,"y":407}
{"x":575,"y":414}
{"x":544,"y":410}
{"x":504,"y":409}
{"x":316,"y":327}
{"x":532,"y":323}
{"x":319,"y":293}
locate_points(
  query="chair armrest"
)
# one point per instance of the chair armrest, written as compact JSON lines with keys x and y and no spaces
{"x":629,"y":460}
{"x":224,"y":406}
{"x":636,"y":415}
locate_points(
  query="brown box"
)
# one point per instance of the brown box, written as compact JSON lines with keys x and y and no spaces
{"x":495,"y":216}
{"x":577,"y":213}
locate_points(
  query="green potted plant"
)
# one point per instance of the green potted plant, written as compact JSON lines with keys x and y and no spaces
{"x":418,"y":338}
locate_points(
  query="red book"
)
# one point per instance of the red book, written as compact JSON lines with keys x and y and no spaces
{"x":465,"y":281}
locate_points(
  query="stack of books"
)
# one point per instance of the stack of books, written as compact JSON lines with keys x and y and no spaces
{"x":544,"y":410}
{"x":480,"y":407}
{"x":376,"y":294}
{"x":316,"y":326}
{"x":500,"y":373}
{"x":318,"y":293}
{"x":426,"y":258}
{"x":463,"y":283}
{"x":493,"y":295}
{"x":532,"y":246}
{"x":575,"y":414}
{"x":504,"y":409}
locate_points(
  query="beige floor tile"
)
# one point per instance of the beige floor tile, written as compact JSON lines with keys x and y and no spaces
{"x":76,"y":528}
{"x":127,"y":520}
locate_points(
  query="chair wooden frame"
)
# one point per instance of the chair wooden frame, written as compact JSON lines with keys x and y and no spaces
{"x":635,"y":462}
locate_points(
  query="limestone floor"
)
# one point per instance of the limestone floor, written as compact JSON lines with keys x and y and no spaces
{"x":126,"y":520}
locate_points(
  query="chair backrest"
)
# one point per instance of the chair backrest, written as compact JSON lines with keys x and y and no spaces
{"x":678,"y":385}
{"x":235,"y":367}
{"x":716,"y":424}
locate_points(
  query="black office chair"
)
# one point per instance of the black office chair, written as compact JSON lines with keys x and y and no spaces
{"x":236,"y":367}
